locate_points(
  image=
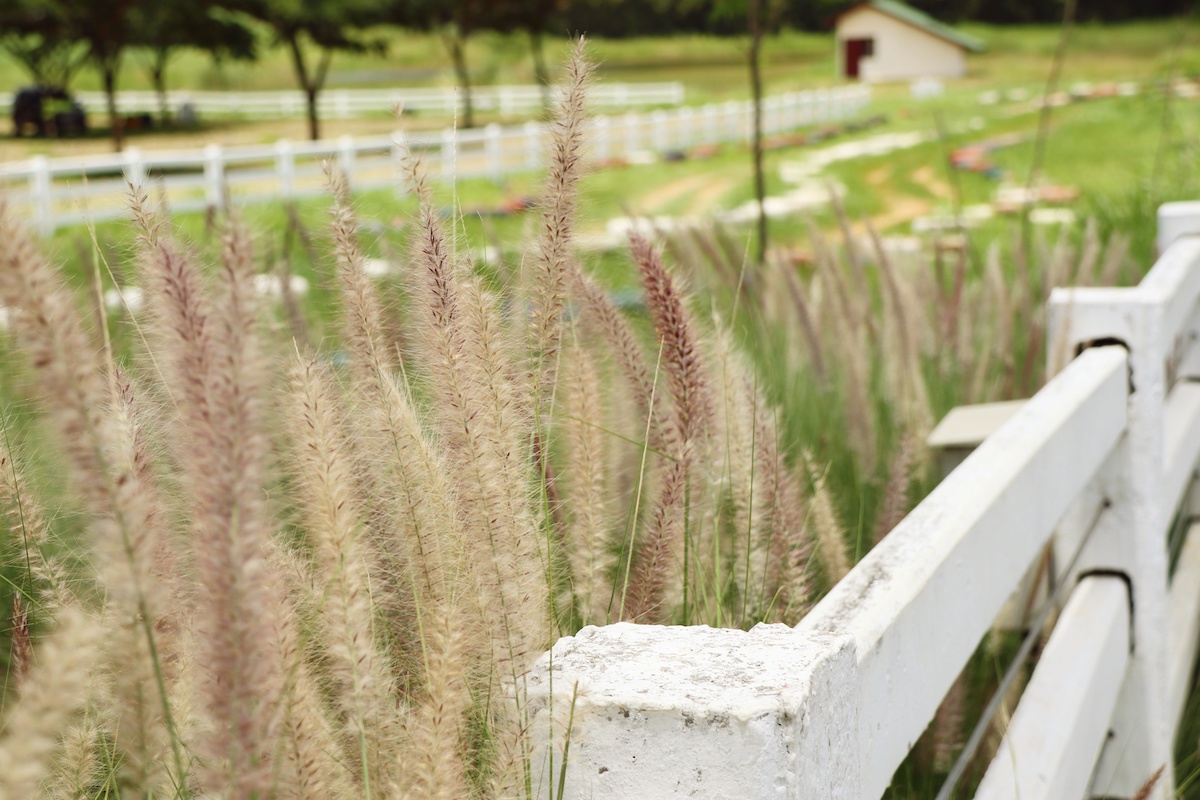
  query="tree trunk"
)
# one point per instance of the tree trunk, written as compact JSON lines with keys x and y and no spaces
{"x":458,"y":51}
{"x":310,"y":84}
{"x":760,"y":187}
{"x":158,"y":74}
{"x":540,"y":73}
{"x":109,"y":69}
{"x":314,"y":121}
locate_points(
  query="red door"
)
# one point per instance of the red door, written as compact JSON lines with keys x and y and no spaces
{"x":855,"y":50}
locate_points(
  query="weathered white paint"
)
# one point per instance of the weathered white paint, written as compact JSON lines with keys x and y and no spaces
{"x":1175,"y":220}
{"x":1184,"y":605}
{"x":664,"y":712}
{"x":1131,"y":536}
{"x":919,"y":603}
{"x":901,"y":51}
{"x":1173,"y":287}
{"x":1181,"y":440}
{"x":965,"y":428}
{"x":954,"y":438}
{"x":1099,"y":457}
{"x":1050,"y":749}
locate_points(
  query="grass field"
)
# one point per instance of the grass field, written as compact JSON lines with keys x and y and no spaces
{"x":849,"y":422}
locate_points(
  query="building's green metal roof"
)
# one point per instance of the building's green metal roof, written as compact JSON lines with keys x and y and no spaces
{"x":919,"y":19}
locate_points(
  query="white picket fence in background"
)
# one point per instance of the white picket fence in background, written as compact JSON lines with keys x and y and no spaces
{"x":1099,"y":466}
{"x":63,"y":191}
{"x":351,"y":103}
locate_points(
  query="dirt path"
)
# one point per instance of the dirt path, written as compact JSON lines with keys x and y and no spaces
{"x":709,"y":198}
{"x":900,"y":208}
{"x":656,"y":199}
{"x":931,"y":183}
{"x":705,"y":192}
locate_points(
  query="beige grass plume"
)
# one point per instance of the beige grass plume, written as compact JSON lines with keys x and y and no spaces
{"x":361,"y":673}
{"x":245,"y":678}
{"x":831,"y":536}
{"x":589,"y":550}
{"x":126,"y":523}
{"x":486,"y":439}
{"x":45,"y":703}
{"x":552,"y":250}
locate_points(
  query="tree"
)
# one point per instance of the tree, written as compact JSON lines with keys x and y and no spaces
{"x":455,"y":21}
{"x":35,"y":34}
{"x":163,"y":28}
{"x":105,"y":30}
{"x":536,"y":18}
{"x":761,"y":16}
{"x":324,"y":25}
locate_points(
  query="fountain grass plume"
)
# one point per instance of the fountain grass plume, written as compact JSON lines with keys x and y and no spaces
{"x":589,"y":549}
{"x":552,"y":252}
{"x":362,"y":676}
{"x":244,"y":679}
{"x":46,"y":700}
{"x":126,"y":524}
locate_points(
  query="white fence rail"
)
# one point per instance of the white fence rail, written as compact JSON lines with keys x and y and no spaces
{"x":350,"y":103}
{"x":1095,"y":466}
{"x":62,"y":191}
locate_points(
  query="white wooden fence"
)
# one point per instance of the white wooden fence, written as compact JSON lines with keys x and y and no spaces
{"x":1096,"y":466}
{"x":351,"y":103}
{"x":62,"y":191}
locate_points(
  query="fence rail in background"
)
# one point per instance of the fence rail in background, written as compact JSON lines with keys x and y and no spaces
{"x":350,"y":103}
{"x":61,"y":191}
{"x":1093,"y":470}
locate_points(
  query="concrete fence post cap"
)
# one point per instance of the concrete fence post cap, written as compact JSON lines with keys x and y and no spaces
{"x":1175,"y":220}
{"x":699,"y":712}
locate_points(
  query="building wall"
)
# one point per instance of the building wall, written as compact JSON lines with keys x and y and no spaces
{"x":902,"y":52}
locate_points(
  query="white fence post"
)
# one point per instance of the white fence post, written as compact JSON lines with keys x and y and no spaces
{"x":660,"y":130}
{"x":495,"y":162}
{"x":632,"y":123}
{"x":39,"y":188}
{"x":214,"y":177}
{"x":1175,"y":220}
{"x":602,"y":136}
{"x":285,"y":167}
{"x":733,"y":122}
{"x":533,"y":144}
{"x":346,"y":158}
{"x":711,"y":133}
{"x":399,"y":154}
{"x":687,"y":127}
{"x":449,"y":154}
{"x":697,"y":712}
{"x":1130,"y":538}
{"x":133,"y":167}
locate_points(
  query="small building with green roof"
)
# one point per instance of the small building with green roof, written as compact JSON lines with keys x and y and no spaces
{"x":886,"y":40}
